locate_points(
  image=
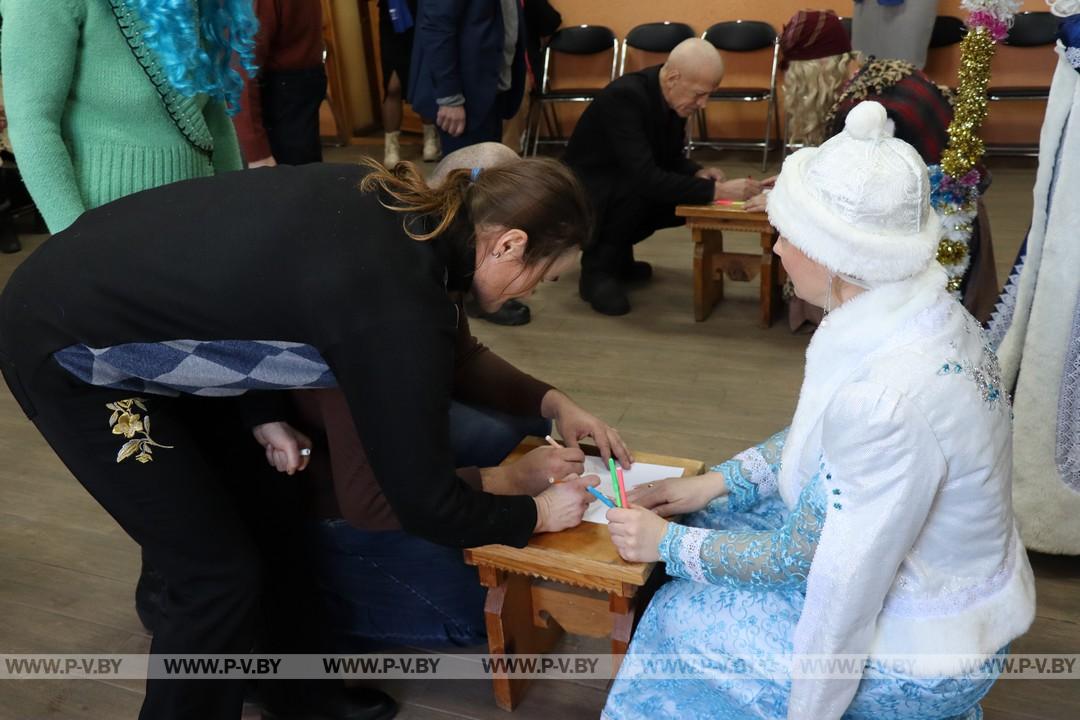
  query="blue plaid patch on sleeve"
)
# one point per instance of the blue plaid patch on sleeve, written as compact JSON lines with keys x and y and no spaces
{"x":199,"y":367}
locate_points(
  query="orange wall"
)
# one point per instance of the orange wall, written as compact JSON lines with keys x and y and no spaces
{"x":1016,"y":122}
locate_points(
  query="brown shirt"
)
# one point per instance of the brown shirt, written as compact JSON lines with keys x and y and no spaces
{"x":346,"y":486}
{"x":290,"y":37}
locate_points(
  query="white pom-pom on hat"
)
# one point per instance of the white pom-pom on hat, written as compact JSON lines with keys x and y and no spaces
{"x":860,"y":203}
{"x":867,"y":121}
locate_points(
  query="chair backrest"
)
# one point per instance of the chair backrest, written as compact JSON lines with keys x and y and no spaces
{"x":948,"y":30}
{"x":741,"y":35}
{"x":650,"y":44}
{"x":1022,"y":61}
{"x":590,"y":67}
{"x":1032,"y":29}
{"x":582,"y":40}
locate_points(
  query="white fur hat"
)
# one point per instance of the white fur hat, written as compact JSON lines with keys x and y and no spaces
{"x":860,"y":203}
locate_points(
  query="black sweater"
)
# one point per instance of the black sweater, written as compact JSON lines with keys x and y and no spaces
{"x":629,"y":141}
{"x":289,"y":253}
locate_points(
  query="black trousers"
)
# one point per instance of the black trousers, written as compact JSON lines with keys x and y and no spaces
{"x":622,"y":219}
{"x":225,"y":534}
{"x":291,"y":100}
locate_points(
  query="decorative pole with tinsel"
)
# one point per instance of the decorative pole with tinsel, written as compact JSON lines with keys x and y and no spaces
{"x":955,"y":182}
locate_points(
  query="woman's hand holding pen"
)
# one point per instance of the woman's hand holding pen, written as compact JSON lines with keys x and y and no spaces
{"x":575,"y":424}
{"x":636,"y":533}
{"x":564,"y":503}
{"x":535,"y":472}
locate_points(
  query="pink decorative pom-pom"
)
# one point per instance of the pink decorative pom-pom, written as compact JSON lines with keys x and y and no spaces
{"x":998,"y":28}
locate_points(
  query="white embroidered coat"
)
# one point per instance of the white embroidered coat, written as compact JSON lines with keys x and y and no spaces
{"x":919,"y":552}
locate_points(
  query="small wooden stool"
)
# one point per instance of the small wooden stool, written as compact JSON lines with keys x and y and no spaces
{"x":572,"y":581}
{"x":707,"y":224}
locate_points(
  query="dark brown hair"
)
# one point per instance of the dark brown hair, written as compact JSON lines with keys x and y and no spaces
{"x":539,"y":196}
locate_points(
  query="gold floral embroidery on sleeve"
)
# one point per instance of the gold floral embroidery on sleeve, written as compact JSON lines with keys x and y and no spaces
{"x":125,"y":420}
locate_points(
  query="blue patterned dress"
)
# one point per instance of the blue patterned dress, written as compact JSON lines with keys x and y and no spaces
{"x":740,"y":568}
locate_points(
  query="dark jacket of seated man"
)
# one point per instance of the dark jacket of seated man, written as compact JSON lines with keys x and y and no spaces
{"x":628,"y":150}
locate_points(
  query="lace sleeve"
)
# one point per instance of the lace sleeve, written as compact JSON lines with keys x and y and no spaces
{"x":751,"y":475}
{"x":750,"y":560}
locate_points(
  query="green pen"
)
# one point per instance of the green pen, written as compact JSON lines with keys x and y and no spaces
{"x":614,"y":480}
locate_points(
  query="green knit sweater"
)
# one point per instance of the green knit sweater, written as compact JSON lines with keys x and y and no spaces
{"x":87,"y":121}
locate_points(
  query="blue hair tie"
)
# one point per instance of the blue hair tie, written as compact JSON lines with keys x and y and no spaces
{"x":475,"y":174}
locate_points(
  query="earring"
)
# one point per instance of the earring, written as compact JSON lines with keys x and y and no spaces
{"x":496,"y":254}
{"x":829,"y":295}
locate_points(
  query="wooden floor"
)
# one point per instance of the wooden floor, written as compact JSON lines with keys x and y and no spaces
{"x":703,"y":390}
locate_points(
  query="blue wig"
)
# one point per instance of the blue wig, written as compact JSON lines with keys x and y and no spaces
{"x":201,"y":59}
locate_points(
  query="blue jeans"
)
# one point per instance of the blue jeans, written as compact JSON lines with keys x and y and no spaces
{"x":392,"y":588}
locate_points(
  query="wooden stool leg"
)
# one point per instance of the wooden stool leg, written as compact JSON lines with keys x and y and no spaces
{"x":622,"y":612}
{"x":708,"y":284}
{"x":508,"y":615}
{"x":770,"y":280}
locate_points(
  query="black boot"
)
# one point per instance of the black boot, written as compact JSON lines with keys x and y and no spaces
{"x":326,"y":701}
{"x":512,"y":312}
{"x":638,"y":272}
{"x":604,"y":293}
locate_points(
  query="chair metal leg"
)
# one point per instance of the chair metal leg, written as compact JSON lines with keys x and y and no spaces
{"x":536,"y":134}
{"x":768,"y":126}
{"x":776,"y":125}
{"x":530,"y":119}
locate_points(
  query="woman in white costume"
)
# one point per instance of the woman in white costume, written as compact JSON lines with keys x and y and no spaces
{"x":880,"y":523}
{"x":1039,"y":319}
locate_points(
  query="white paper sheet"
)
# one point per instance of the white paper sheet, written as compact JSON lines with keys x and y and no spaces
{"x":639,"y":474}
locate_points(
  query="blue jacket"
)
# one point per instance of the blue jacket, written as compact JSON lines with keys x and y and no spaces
{"x":457,"y":49}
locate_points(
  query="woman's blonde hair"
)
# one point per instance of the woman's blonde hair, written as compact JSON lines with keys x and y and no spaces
{"x":811,"y":88}
{"x":540,"y":196}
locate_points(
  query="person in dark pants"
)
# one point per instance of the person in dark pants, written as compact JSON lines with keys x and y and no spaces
{"x":468,"y":72}
{"x":278,"y":121}
{"x":468,"y":67}
{"x":381,"y":585}
{"x":628,"y":150}
{"x":339,"y":278}
{"x":396,"y":30}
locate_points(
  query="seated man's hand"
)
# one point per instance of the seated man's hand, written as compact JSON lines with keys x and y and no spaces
{"x":710,"y":173}
{"x":535,"y":472}
{"x":637,"y":533}
{"x":283,"y":444}
{"x":451,"y":119}
{"x":758,"y":203}
{"x":563,"y":504}
{"x":676,"y":496}
{"x":739,"y":189}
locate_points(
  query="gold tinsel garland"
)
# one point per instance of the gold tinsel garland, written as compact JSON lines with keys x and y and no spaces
{"x":965,"y":146}
{"x":959,"y":208}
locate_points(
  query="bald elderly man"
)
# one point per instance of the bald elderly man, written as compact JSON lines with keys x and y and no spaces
{"x":628,"y":150}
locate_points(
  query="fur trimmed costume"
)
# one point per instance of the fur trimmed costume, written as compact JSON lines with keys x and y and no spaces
{"x":1037,"y":323}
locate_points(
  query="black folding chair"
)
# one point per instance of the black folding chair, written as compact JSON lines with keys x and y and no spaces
{"x":652,"y":40}
{"x":1033,"y":30}
{"x":735,"y":40}
{"x":579,"y":41}
{"x":943,"y":57}
{"x":1029,"y":30}
{"x":948,"y":30}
